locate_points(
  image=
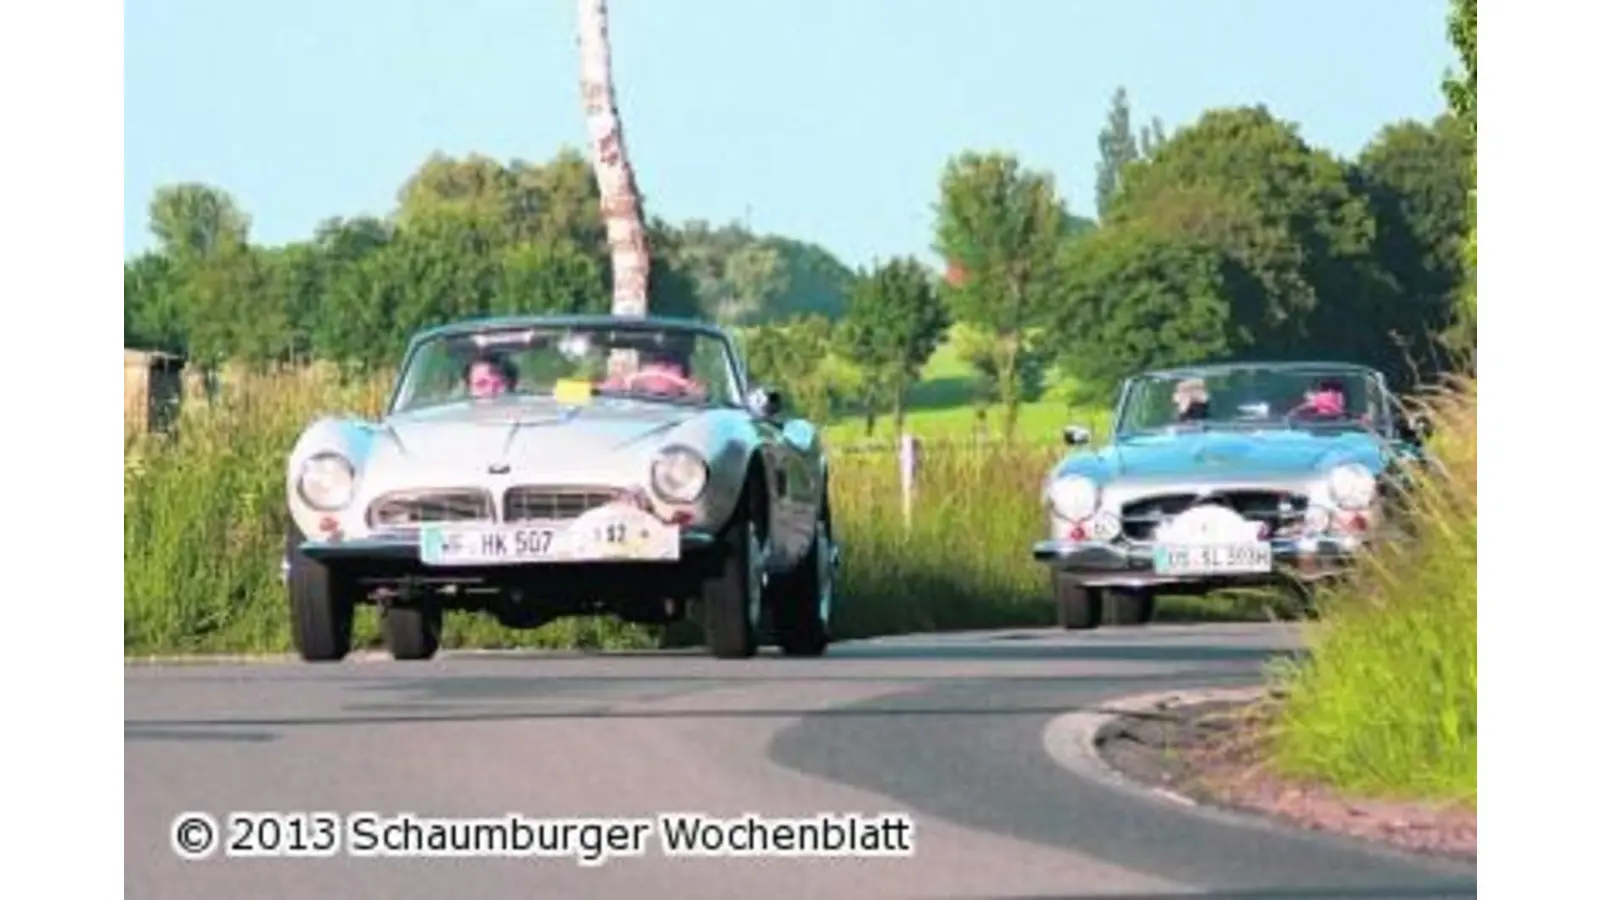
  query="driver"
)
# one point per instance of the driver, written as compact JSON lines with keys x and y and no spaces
{"x":1190,"y":400}
{"x":489,"y":376}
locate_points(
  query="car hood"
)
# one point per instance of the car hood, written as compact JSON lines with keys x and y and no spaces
{"x":1230,"y":455}
{"x":536,"y":433}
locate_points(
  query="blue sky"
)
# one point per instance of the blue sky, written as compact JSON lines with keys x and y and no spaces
{"x":827,"y":120}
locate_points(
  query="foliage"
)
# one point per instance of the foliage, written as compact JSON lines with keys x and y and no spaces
{"x":793,"y":357}
{"x":1461,"y":88}
{"x":1135,"y":297}
{"x":895,"y":320}
{"x":1387,"y":700}
{"x":1003,"y":225}
{"x":1119,"y":146}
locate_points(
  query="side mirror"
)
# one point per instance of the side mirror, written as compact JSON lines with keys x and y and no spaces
{"x":1417,"y":428}
{"x":1075,"y":435}
{"x":765,"y":402}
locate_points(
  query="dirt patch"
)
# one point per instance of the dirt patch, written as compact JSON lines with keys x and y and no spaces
{"x":1214,"y":753}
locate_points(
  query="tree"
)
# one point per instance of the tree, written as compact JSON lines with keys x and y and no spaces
{"x":193,"y":221}
{"x":793,"y":356}
{"x":893,"y":323}
{"x":1137,"y":296}
{"x":1246,"y":183}
{"x":1462,"y":93}
{"x":1002,"y":225}
{"x":620,"y":205}
{"x":1461,"y":88}
{"x":1419,"y":181}
{"x":1117,"y":149}
{"x":151,"y":315}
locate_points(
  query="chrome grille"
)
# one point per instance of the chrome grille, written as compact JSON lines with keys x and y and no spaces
{"x":404,"y":509}
{"x":526,"y":502}
{"x":1278,"y":509}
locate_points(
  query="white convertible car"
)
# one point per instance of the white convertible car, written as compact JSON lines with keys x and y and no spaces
{"x":540,"y":467}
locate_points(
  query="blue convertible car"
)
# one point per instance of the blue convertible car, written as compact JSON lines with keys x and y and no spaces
{"x":1218,"y":476}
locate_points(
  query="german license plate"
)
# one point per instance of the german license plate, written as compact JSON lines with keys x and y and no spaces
{"x":489,"y":546}
{"x":1213,"y":559}
{"x":611,"y":533}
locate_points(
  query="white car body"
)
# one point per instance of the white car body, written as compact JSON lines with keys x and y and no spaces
{"x":565,"y":489}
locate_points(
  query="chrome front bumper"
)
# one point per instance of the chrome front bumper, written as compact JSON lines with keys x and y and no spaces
{"x":406,"y":549}
{"x":1121,"y":564}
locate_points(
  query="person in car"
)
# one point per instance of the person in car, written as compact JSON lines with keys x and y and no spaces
{"x":660,"y":373}
{"x":1190,"y":400}
{"x":489,"y":376}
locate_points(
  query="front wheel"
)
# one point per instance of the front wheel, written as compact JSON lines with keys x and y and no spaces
{"x":803,"y":609}
{"x":321,"y":604}
{"x":413,"y":632}
{"x":731,"y":598}
{"x":1131,"y":607}
{"x":1078,"y":608}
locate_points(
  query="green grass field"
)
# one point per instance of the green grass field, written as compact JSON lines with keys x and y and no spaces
{"x":941,"y":407}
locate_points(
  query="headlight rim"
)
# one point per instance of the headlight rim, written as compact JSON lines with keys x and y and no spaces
{"x":1367,"y":478}
{"x":1095,"y":495}
{"x":350,"y":485}
{"x":672,"y":451}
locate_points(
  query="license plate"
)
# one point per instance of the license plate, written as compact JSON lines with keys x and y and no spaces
{"x":617,"y":533}
{"x":488,"y":546}
{"x":1213,"y":559}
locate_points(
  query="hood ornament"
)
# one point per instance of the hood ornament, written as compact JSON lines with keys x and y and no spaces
{"x":499,"y":468}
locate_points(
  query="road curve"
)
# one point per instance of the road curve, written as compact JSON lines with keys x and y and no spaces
{"x":944,"y":728}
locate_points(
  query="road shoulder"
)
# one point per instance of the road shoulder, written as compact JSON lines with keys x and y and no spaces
{"x":1195,"y":749}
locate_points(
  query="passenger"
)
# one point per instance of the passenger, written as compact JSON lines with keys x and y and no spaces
{"x":660,"y":373}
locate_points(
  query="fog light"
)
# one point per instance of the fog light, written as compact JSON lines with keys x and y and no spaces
{"x":1106,"y":526}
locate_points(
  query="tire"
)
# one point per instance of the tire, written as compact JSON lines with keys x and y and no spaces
{"x":1078,"y":608}
{"x":803,"y":609}
{"x":321,"y":605}
{"x":731,"y":598}
{"x":1130,"y":607}
{"x":413,"y":632}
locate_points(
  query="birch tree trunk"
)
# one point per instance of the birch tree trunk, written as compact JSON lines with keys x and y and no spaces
{"x":619,"y":195}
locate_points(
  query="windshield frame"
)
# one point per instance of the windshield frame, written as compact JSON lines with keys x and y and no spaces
{"x":733,"y":364}
{"x":1384,"y":423}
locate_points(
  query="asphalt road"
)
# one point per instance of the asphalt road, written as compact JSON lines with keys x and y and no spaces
{"x":947,"y":730}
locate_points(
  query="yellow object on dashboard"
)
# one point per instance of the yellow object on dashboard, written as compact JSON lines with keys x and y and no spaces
{"x":573,"y":390}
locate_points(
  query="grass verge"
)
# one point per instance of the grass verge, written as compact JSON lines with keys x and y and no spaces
{"x":1385,"y":704}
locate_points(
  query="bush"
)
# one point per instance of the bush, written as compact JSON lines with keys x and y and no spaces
{"x":1386,"y":701}
{"x":203,"y":532}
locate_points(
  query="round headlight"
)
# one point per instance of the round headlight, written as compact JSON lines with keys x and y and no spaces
{"x":1352,"y":486}
{"x":679,"y":475}
{"x":1074,"y":497}
{"x":327,"y":481}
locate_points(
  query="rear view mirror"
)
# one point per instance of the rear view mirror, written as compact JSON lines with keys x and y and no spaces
{"x":1075,"y":435}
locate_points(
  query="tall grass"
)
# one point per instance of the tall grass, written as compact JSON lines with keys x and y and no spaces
{"x":204,"y":528}
{"x":1386,"y":702}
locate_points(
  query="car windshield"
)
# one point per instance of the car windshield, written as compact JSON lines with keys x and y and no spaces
{"x":637,"y":362}
{"x":1253,"y":398}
